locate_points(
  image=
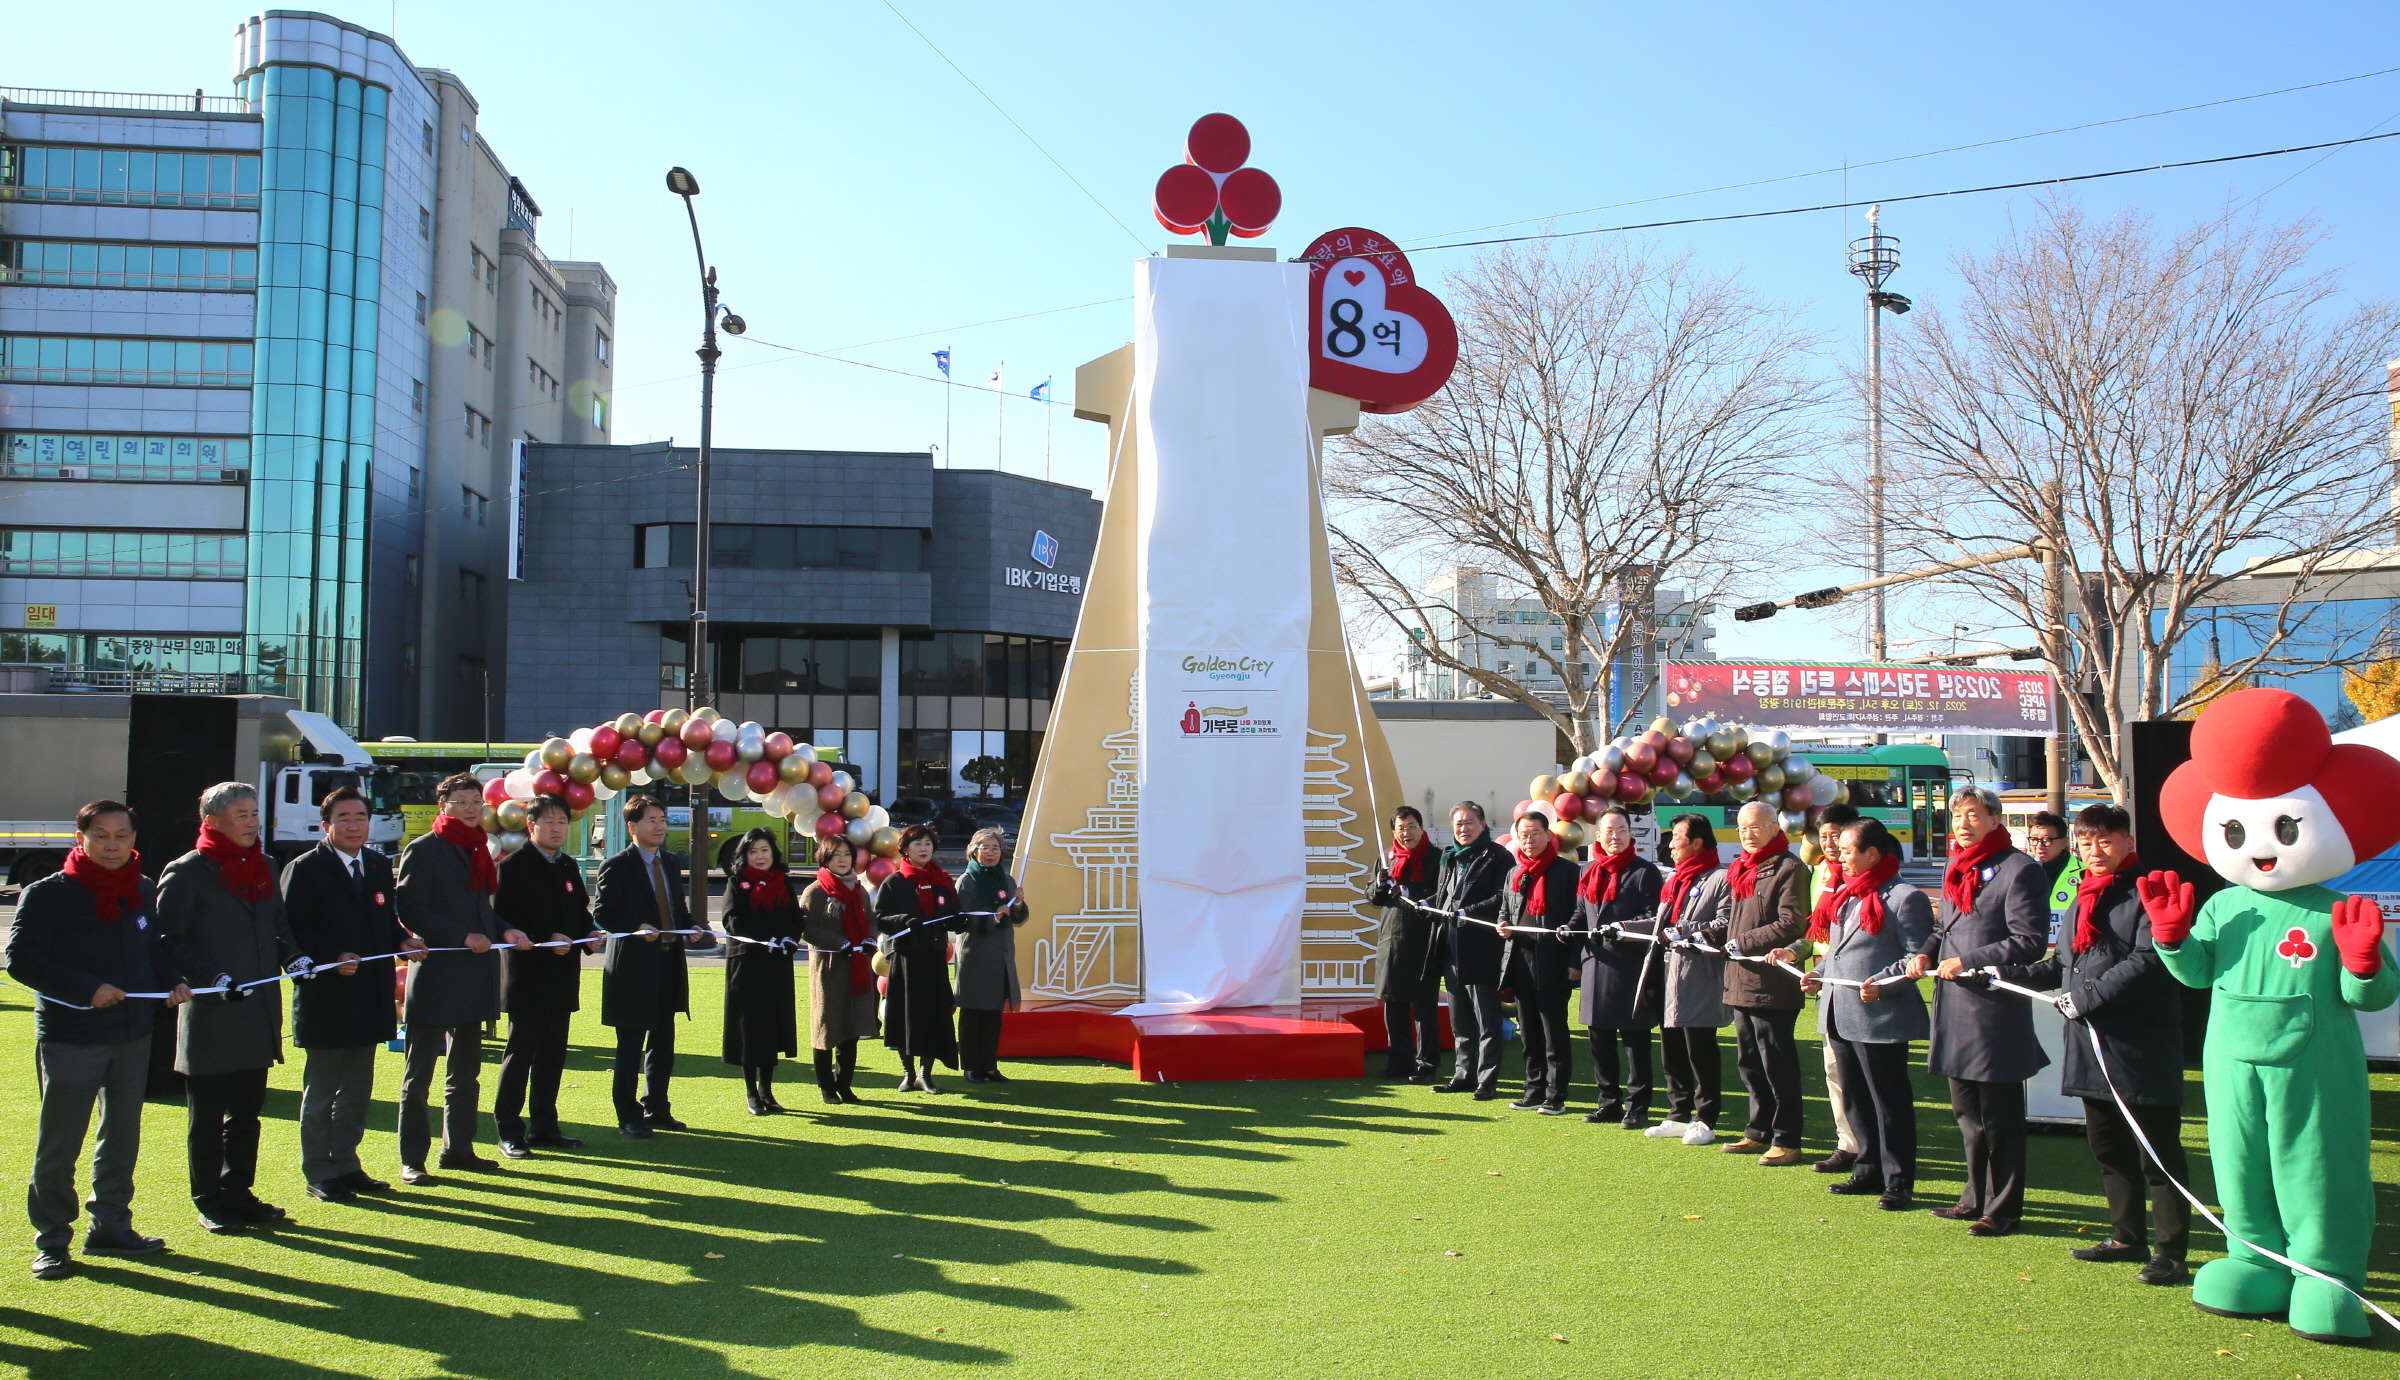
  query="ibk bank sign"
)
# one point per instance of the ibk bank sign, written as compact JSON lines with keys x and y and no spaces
{"x":1045,"y":555}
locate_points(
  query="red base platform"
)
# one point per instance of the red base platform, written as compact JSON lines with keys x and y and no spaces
{"x":1320,"y":1039}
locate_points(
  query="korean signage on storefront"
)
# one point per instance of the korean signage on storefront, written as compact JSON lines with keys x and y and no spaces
{"x":1864,"y":698}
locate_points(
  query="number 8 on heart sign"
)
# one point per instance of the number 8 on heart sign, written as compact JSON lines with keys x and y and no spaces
{"x":1380,"y":338}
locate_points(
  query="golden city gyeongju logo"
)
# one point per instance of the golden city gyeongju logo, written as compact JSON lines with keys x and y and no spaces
{"x":1227,"y":668}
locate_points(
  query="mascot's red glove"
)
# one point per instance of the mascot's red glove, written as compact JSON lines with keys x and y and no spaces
{"x":2170,"y":903}
{"x":2358,"y":933}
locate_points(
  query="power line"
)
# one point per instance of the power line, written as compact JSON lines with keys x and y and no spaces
{"x":1012,"y":120}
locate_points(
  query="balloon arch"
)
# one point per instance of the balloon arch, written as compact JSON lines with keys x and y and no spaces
{"x":702,"y":748}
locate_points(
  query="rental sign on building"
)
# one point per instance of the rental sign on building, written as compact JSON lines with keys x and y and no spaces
{"x":1864,"y":698}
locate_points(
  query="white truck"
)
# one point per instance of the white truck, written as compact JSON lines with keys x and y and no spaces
{"x":157,"y":753}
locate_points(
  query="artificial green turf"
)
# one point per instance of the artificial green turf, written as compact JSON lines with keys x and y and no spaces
{"x":1077,"y":1223}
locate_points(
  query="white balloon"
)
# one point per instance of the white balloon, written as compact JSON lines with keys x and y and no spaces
{"x":842,"y":779}
{"x":510,"y":842}
{"x":857,"y":831}
{"x":878,"y":817}
{"x":750,"y":742}
{"x":806,"y":752}
{"x":581,"y":739}
{"x":641,"y":776}
{"x":732,"y":785}
{"x":533,"y":760}
{"x":602,"y":791}
{"x":724,"y":730}
{"x":694,"y":771}
{"x":518,"y":784}
{"x":1582,"y":764}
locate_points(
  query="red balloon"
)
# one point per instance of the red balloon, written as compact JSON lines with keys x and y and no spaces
{"x":761,"y":776}
{"x":1680,"y":749}
{"x":1604,"y":784}
{"x":883,"y":987}
{"x":631,"y":755}
{"x":670,"y":753}
{"x":655,"y":716}
{"x":1630,"y":787}
{"x":1642,"y":756}
{"x":1569,"y":805}
{"x":698,"y":733}
{"x":830,"y":825}
{"x":719,"y":756}
{"x":605,"y":740}
{"x":578,"y":796}
{"x":548,"y":782}
{"x":878,"y":870}
{"x":1519,"y":812}
{"x":1654,"y":738}
{"x":820,"y":775}
{"x":779,"y":746}
{"x":829,"y":799}
{"x":1737,"y":767}
{"x":1710,"y":784}
{"x":495,"y":792}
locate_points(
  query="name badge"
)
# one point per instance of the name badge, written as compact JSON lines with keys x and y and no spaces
{"x":379,"y":898}
{"x":141,"y":922}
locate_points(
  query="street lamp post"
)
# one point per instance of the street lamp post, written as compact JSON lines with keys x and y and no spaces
{"x":1876,"y":258}
{"x":683,"y":184}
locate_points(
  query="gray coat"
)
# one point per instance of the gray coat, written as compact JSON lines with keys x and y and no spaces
{"x":440,"y":905}
{"x":1979,"y":1034}
{"x":206,"y":933}
{"x":1696,"y":981}
{"x":987,"y":958}
{"x":1898,"y":1014}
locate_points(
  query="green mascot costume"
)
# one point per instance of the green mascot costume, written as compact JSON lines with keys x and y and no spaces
{"x":2278,"y":809}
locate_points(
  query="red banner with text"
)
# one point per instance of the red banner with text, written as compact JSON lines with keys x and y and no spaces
{"x":1864,"y":698}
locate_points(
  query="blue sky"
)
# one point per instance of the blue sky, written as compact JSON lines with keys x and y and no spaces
{"x":862,"y":200}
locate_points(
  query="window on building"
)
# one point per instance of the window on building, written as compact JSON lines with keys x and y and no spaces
{"x":421,"y":306}
{"x":473,"y":674}
{"x":426,"y":137}
{"x":416,"y":570}
{"x":599,"y":412}
{"x":416,"y":479}
{"x":123,"y":555}
{"x":479,"y":427}
{"x":491,"y":350}
{"x":408,"y":656}
{"x":156,"y":363}
{"x":746,"y":546}
{"x":424,"y":225}
{"x":600,"y":343}
{"x":470,"y":586}
{"x":474,"y":505}
{"x":156,"y":267}
{"x":416,"y":395}
{"x":82,"y":455}
{"x":128,"y":177}
{"x":1557,"y":643}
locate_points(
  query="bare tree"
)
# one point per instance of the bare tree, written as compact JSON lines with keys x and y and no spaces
{"x":1615,"y":426}
{"x":2172,"y":415}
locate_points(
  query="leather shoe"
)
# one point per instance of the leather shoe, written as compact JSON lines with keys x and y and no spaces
{"x":1605,"y":1114}
{"x":634,"y":1130}
{"x":515,"y":1150}
{"x":1781,"y":1157}
{"x":1856,"y":1185}
{"x":219,"y":1217}
{"x":1635,"y":1123}
{"x":467,"y":1159}
{"x":127,"y":1241}
{"x":554,"y":1140}
{"x":2110,"y":1253}
{"x":360,"y":1183}
{"x":976,"y":1076}
{"x":1896,"y":1200}
{"x":1747,"y":1146}
{"x":1991,"y":1226}
{"x":1554,"y":1109}
{"x":1455,"y":1085}
{"x":996,"y":1076}
{"x":1489,"y":1094}
{"x":250,"y":1209}
{"x":662,"y":1121}
{"x":1839,"y":1162}
{"x":1528,"y":1102}
{"x":2164,"y":1269}
{"x":52,"y":1265}
{"x":1954,"y":1213}
{"x":332,"y":1191}
{"x":413,"y":1174}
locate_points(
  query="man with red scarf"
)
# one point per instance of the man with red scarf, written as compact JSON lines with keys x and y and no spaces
{"x":1995,"y":912}
{"x":2109,"y":978}
{"x":1766,"y":883}
{"x":1541,"y":962}
{"x":1865,"y":931}
{"x":1408,"y":963}
{"x":1618,"y":890}
{"x":447,"y":881}
{"x":85,"y":938}
{"x":221,"y":922}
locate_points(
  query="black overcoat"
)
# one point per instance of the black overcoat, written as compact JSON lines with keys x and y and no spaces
{"x":1471,"y":883}
{"x":2122,"y":991}
{"x":1980,"y":1034}
{"x":762,"y":1021}
{"x":440,"y":905}
{"x":1408,"y":952}
{"x":1549,"y":963}
{"x":917,"y":1002}
{"x":207,"y":933}
{"x":1613,"y":969}
{"x":330,"y":916}
{"x":57,"y":946}
{"x":542,"y":896}
{"x":643,"y":982}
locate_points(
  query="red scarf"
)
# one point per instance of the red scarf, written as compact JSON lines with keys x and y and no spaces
{"x":243,"y":872}
{"x":1742,"y":876}
{"x":111,"y":888}
{"x":2087,"y":901}
{"x":1867,"y":890}
{"x":1829,"y":900}
{"x":1687,"y":875}
{"x":934,"y":887}
{"x":481,"y":875}
{"x":856,"y":927}
{"x":1412,"y":865}
{"x":1964,"y":876}
{"x":1528,"y":879}
{"x":767,"y":887}
{"x":1598,"y":884}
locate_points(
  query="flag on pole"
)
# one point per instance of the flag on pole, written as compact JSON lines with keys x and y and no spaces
{"x":1041,"y":392}
{"x":994,"y":380}
{"x":941,"y":361}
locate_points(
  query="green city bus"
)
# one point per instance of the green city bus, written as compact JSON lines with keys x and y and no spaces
{"x":1906,"y":785}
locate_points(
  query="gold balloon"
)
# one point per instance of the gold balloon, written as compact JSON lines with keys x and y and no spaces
{"x":627,"y":725}
{"x":490,"y":823}
{"x":673,"y":722}
{"x":583,"y":767}
{"x":706,"y":714}
{"x":1576,"y":783}
{"x":855,"y":805}
{"x":1665,"y":725}
{"x":884,"y":842}
{"x":511,"y":816}
{"x":792,"y":770}
{"x":614,"y":777}
{"x":650,"y":733}
{"x":556,"y":753}
{"x":1569,"y":834}
{"x":1543,"y":788}
{"x":1810,"y":853}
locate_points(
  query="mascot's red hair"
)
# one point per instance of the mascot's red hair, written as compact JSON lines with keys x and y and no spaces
{"x":2278,"y":809}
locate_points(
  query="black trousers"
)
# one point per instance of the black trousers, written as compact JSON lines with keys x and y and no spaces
{"x":1619,"y":1097}
{"x":1769,"y":1061}
{"x":222,"y":1141}
{"x":1475,"y":1028}
{"x":978,"y":1040}
{"x":836,"y":1066}
{"x":1991,"y":1120}
{"x":1549,"y":1042}
{"x":1883,"y":1110}
{"x":1695,"y":1073}
{"x":644,"y":1054}
{"x":532,"y":1063}
{"x":1412,"y":1033}
{"x":2124,"y":1170}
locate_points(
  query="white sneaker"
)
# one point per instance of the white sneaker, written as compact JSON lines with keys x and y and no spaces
{"x":1701,"y":1133}
{"x":1668,"y":1130}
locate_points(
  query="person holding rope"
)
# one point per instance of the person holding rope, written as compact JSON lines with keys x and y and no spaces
{"x":1993,"y":914}
{"x":840,"y":933}
{"x":1765,"y":883}
{"x":761,"y":1025}
{"x":1691,"y":913}
{"x":1474,"y":869}
{"x":987,"y":954}
{"x":1823,"y":880}
{"x":1408,"y":974}
{"x":86,"y":938}
{"x":2107,"y":971}
{"x":645,"y":984}
{"x":915,"y":910}
{"x":541,"y":989}
{"x":1619,"y":888}
{"x":1541,"y":957}
{"x":1866,"y":931}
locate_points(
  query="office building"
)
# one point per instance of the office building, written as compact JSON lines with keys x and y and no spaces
{"x":1477,"y":622}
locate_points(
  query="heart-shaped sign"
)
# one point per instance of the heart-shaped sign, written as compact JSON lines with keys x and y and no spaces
{"x":1380,"y":338}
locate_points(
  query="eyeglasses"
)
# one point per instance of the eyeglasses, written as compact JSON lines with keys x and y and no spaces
{"x":2044,"y":840}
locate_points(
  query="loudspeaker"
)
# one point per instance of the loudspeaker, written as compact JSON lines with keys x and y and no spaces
{"x":176,"y":746}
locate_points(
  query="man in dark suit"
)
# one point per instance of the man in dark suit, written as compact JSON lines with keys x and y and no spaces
{"x":542,"y":896}
{"x":447,"y":879}
{"x":2111,"y":983}
{"x":85,"y":938}
{"x":339,"y":898}
{"x":644,"y":987}
{"x":1766,"y":884}
{"x":1995,"y":912}
{"x":1542,"y":965}
{"x":1473,"y":870}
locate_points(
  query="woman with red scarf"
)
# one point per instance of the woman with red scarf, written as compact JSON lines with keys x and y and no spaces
{"x":916,"y":908}
{"x":761,"y":1025}
{"x":839,"y":929}
{"x":1541,"y":965}
{"x":1408,"y":964}
{"x":1692,"y":906}
{"x":1618,"y":889}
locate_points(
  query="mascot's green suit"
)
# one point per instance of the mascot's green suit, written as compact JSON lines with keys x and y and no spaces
{"x":2277,"y":808}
